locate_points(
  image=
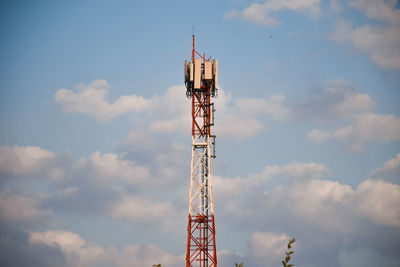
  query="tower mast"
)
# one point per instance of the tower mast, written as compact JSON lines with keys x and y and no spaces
{"x":201,"y":81}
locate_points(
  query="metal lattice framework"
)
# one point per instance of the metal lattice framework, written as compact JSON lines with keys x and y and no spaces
{"x":201,"y":80}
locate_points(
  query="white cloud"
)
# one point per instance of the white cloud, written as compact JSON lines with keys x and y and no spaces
{"x":243,"y":189}
{"x":352,"y":103}
{"x":315,"y":203}
{"x":98,"y":184}
{"x":171,"y":113}
{"x":112,"y":167}
{"x":378,"y":9}
{"x":80,"y":254}
{"x":19,"y":207}
{"x":339,"y":100}
{"x":165,"y":158}
{"x":239,"y":119}
{"x":74,"y":248}
{"x":229,"y":257}
{"x":172,"y":125}
{"x":274,"y":106}
{"x":146,"y":212}
{"x":336,"y":100}
{"x":389,"y":168}
{"x":324,"y":203}
{"x":135,"y":255}
{"x":318,"y":136}
{"x":90,"y":99}
{"x":309,"y":170}
{"x":368,"y":127}
{"x":263,"y":13}
{"x":100,"y":168}
{"x":67,"y":241}
{"x":321,"y":205}
{"x":94,"y":184}
{"x":19,"y":160}
{"x":380,"y":42}
{"x":268,"y":248}
{"x":238,"y":127}
{"x":379,"y":200}
{"x":295,"y":170}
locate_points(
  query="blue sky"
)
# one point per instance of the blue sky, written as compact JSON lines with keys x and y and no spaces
{"x":95,"y":139}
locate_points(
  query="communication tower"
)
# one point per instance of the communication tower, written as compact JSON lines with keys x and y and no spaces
{"x":201,"y":81}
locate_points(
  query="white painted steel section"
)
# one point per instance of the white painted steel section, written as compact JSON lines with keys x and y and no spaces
{"x":210,"y":176}
{"x":201,"y":196}
{"x":191,"y":180}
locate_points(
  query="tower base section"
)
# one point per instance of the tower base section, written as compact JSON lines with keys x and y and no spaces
{"x":201,"y":250}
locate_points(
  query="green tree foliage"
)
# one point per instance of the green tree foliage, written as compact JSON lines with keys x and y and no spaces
{"x":288,"y":253}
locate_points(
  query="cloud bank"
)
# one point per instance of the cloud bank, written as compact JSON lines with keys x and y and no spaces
{"x":380,"y":41}
{"x":262,"y":14}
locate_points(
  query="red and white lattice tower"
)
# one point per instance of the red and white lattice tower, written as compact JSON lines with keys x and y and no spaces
{"x":201,"y":80}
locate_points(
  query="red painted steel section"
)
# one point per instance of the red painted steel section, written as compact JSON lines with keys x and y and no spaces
{"x":201,"y":246}
{"x":189,"y":229}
